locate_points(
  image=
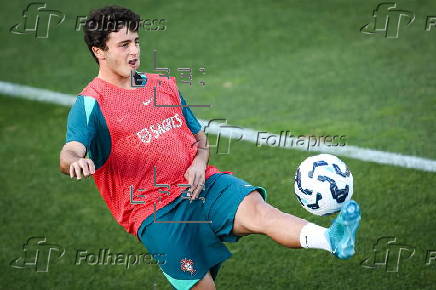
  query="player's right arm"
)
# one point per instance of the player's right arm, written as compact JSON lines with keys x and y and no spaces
{"x":73,"y":161}
{"x":80,"y":132}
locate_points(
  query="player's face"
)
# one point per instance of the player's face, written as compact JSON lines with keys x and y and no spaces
{"x":122,"y":55}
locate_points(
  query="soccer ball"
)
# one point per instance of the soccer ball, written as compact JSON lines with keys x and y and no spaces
{"x":323,"y":183}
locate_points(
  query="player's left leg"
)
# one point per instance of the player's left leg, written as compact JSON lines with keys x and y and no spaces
{"x":254,"y":215}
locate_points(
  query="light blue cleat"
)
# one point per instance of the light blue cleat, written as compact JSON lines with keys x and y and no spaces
{"x":342,"y":232}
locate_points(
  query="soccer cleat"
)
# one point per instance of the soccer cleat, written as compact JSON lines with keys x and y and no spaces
{"x":342,"y":232}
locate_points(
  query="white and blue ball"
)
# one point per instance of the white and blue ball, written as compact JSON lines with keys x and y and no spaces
{"x":323,"y":183}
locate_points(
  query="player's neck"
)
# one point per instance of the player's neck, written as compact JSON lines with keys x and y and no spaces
{"x":116,"y":80}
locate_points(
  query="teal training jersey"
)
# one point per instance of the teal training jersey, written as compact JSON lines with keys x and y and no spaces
{"x":86,"y":124}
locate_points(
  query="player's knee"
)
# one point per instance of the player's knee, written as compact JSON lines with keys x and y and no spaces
{"x":252,"y":215}
{"x":261,"y":212}
{"x":206,"y":283}
{"x":264,"y":215}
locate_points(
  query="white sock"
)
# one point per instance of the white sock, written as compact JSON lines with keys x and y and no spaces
{"x":314,"y":237}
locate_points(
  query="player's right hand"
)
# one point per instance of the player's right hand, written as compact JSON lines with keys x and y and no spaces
{"x":82,"y":167}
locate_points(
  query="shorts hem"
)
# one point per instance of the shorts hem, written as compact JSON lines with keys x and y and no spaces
{"x":181,"y":284}
{"x":230,"y":237}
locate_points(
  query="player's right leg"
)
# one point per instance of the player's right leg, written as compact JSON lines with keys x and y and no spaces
{"x":193,"y":253}
{"x":206,"y":283}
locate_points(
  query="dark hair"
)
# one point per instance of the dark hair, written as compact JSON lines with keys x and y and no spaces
{"x":103,"y":21}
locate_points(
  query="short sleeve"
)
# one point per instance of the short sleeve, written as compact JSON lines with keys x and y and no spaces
{"x":78,"y":123}
{"x":190,"y":118}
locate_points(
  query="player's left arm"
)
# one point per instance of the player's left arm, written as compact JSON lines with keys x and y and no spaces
{"x":196,"y":172}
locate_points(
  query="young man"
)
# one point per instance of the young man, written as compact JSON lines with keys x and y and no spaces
{"x":145,"y":152}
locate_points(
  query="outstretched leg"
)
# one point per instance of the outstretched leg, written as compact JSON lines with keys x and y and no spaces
{"x":255,"y":216}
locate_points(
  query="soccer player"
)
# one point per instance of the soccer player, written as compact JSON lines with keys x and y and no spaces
{"x":149,"y":160}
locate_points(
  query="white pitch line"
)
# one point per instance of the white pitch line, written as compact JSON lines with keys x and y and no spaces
{"x":31,"y":93}
{"x":246,"y":134}
{"x":355,"y":152}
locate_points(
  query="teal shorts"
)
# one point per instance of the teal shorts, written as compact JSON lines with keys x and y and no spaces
{"x":192,"y":249}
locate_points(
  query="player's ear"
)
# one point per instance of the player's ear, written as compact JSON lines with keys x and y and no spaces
{"x":98,"y":52}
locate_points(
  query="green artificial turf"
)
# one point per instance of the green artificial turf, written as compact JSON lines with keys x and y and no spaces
{"x":272,"y":66}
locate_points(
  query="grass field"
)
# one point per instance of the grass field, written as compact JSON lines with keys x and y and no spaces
{"x":271,"y":66}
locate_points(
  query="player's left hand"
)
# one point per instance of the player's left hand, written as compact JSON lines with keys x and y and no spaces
{"x":195,"y":175}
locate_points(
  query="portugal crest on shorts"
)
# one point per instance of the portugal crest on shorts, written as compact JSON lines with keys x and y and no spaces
{"x":187,"y":265}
